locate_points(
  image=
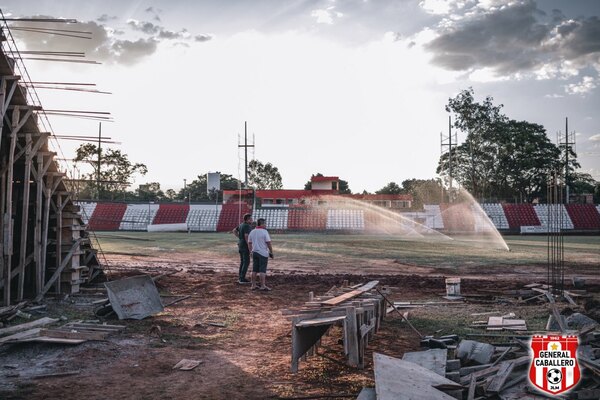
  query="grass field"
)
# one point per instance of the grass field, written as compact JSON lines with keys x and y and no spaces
{"x":525,"y":250}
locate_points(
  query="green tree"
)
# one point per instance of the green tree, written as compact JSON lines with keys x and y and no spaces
{"x":500,"y":157}
{"x":171,"y":194}
{"x":390,"y":188}
{"x":116,"y":171}
{"x":264,"y":176}
{"x":197,"y":189}
{"x":423,"y":191}
{"x":150,"y":192}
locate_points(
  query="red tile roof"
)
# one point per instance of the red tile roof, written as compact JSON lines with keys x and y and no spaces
{"x":324,"y":178}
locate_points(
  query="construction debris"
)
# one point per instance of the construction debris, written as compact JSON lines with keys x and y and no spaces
{"x":356,"y":309}
{"x":403,"y":380}
{"x":187,"y":365}
{"x":134,"y":298}
{"x":71,"y":333}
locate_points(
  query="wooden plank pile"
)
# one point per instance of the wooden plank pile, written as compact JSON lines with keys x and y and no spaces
{"x":476,"y":370}
{"x":71,"y":333}
{"x":357,"y":309}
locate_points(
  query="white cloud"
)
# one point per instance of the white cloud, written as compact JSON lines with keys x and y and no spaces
{"x":326,"y":15}
{"x":485,"y":75}
{"x":586,"y":85}
{"x":595,"y":138}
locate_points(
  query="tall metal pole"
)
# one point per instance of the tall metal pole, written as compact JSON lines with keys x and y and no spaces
{"x":99,"y":158}
{"x":567,"y":147}
{"x":246,"y":153}
{"x":245,"y":146}
{"x":450,"y":149}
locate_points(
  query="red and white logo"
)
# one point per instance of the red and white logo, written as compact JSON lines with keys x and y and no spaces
{"x":554,"y":368}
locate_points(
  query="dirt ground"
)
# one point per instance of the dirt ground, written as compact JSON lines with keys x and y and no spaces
{"x":249,"y":358}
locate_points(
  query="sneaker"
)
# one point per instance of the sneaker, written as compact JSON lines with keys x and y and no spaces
{"x":244,"y":282}
{"x":265,"y":288}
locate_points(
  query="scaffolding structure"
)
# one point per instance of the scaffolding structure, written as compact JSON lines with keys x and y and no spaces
{"x":45,"y":247}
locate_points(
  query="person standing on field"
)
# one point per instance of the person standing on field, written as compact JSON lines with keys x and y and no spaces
{"x":242,"y":232}
{"x":260,"y":247}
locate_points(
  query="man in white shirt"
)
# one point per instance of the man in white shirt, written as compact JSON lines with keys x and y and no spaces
{"x":259,"y":243}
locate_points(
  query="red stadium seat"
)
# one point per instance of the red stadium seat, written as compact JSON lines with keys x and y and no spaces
{"x":584,"y":216}
{"x":107,"y":216}
{"x":171,"y":214}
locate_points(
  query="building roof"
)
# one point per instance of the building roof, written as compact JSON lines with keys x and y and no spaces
{"x":283,"y":194}
{"x":379,"y":196}
{"x":324,"y":178}
{"x":238,"y":191}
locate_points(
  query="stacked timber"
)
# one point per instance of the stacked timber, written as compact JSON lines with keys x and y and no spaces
{"x":356,"y":309}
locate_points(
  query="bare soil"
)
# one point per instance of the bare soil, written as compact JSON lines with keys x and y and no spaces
{"x":248,"y":358}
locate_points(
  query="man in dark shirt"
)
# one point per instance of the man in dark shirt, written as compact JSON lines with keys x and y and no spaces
{"x":242,"y":231}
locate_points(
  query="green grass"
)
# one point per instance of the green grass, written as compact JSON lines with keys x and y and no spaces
{"x":582,"y":250}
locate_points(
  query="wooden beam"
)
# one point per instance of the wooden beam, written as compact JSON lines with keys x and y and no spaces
{"x":58,"y":240}
{"x":24,"y":219}
{"x":351,"y":336}
{"x":45,"y":223}
{"x":58,"y":271}
{"x":8,"y":239}
{"x":347,"y":296}
{"x":37,"y":243}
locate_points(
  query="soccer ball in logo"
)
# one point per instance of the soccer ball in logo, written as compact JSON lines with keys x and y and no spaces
{"x":554,"y":376}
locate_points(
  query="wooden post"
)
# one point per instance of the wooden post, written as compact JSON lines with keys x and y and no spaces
{"x":351,"y":336}
{"x":2,"y":204}
{"x":58,"y":237}
{"x":8,"y":239}
{"x":37,"y":251}
{"x":24,"y":218}
{"x":45,"y":222}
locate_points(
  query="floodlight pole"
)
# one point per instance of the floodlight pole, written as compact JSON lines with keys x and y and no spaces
{"x":99,"y":158}
{"x":567,"y":146}
{"x":447,"y":142}
{"x":245,"y":146}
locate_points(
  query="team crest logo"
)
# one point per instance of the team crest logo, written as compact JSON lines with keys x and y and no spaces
{"x":554,"y":368}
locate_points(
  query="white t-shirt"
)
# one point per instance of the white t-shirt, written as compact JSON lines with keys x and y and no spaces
{"x":259,"y":238}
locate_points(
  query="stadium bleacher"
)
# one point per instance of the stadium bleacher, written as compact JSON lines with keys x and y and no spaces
{"x":203,"y":218}
{"x":224,"y":217}
{"x":519,"y":215}
{"x":558,"y":212}
{"x":87,"y":210}
{"x":276,"y":218}
{"x":137,"y":217}
{"x":231,"y":216}
{"x":495,"y":213}
{"x":584,"y":216}
{"x":351,"y":220}
{"x":107,"y":216}
{"x":307,"y":219}
{"x":171,"y":214}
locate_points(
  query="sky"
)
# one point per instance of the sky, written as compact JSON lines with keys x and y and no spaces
{"x":353,"y":88}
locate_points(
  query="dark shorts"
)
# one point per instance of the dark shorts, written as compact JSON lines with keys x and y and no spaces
{"x":259,"y":263}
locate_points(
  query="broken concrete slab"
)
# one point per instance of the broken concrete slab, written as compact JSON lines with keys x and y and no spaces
{"x":403,"y":380}
{"x":433,"y":359}
{"x":134,"y":298}
{"x":475,"y":352}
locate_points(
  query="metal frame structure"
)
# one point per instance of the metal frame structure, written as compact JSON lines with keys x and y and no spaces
{"x":44,"y":244}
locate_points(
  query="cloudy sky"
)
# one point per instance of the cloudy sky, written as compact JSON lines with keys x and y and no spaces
{"x":352,"y":88}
